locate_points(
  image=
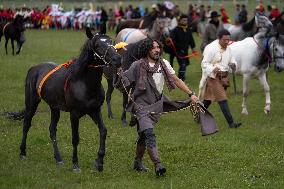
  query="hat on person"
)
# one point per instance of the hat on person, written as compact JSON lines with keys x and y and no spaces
{"x":214,"y":14}
{"x":154,"y":6}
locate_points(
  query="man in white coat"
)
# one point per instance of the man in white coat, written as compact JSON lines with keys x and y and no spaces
{"x":216,"y":64}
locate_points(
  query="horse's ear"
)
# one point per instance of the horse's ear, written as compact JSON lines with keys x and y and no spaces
{"x":89,"y":33}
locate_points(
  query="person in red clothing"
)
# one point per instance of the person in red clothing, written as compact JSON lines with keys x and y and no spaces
{"x":224,"y":16}
{"x":274,"y":13}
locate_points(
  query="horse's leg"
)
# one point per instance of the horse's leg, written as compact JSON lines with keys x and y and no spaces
{"x":19,"y":48}
{"x":6,"y":44}
{"x":110,"y":89}
{"x":263,"y":82}
{"x":246,"y":78}
{"x":13,"y":49}
{"x":55,"y":115}
{"x":97,"y":117}
{"x":123,"y":115}
{"x":75,"y":140}
{"x":32,"y":102}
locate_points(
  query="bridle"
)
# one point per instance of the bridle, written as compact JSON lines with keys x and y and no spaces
{"x":103,"y":57}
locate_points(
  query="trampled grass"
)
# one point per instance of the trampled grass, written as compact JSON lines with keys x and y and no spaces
{"x":251,"y":156}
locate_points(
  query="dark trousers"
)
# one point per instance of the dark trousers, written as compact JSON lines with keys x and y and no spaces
{"x":183,"y":62}
{"x":147,"y":138}
{"x":103,"y":28}
{"x":224,"y":107}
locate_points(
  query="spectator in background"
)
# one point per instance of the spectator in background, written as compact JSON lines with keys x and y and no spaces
{"x":278,"y":24}
{"x":225,"y":17}
{"x":274,"y":13}
{"x":103,"y":21}
{"x":208,"y":12}
{"x":243,"y":16}
{"x":211,"y":29}
{"x":128,"y":13}
{"x":237,"y":13}
{"x":135,"y":13}
{"x":111,"y":21}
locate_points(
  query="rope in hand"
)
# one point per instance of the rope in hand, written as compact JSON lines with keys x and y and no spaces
{"x":170,"y":42}
{"x":194,"y":108}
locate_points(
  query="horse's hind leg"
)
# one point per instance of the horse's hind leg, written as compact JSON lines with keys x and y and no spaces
{"x":32,"y":102}
{"x":263,"y":82}
{"x":13,"y":48}
{"x":6,"y":44}
{"x":75,"y":140}
{"x":97,"y":117}
{"x":55,"y":115}
{"x":19,"y":48}
{"x":110,"y":89}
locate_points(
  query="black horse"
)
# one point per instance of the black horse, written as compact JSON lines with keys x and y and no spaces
{"x":14,"y":31}
{"x":76,"y":88}
{"x":130,"y":53}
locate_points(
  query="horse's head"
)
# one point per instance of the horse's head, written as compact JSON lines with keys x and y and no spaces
{"x":277,"y":49}
{"x":263,"y":24}
{"x":102,"y":49}
{"x":19,"y":23}
{"x":163,"y":25}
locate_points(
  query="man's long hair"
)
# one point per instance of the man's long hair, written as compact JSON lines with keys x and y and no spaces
{"x":146,"y":46}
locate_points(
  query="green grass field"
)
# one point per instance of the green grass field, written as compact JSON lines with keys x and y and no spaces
{"x":251,"y":156}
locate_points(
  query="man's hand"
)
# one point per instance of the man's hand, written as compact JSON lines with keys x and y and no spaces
{"x":232,"y":66}
{"x":216,"y":70}
{"x":194,"y":98}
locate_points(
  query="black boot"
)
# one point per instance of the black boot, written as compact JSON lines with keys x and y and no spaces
{"x":138,"y":165}
{"x":227,"y":114}
{"x":154,"y":155}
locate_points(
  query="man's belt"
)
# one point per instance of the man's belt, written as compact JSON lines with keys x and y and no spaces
{"x":221,"y":74}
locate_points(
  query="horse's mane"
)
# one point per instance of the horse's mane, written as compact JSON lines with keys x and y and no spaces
{"x":131,"y":55}
{"x":78,"y":67}
{"x":149,"y":19}
{"x":249,"y":25}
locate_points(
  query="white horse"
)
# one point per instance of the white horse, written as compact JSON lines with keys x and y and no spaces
{"x":160,"y":27}
{"x":240,"y":32}
{"x":253,"y":55}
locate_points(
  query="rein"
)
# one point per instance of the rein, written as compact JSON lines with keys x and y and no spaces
{"x":264,"y":49}
{"x":193,"y":54}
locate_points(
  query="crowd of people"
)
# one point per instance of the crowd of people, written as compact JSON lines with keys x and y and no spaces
{"x":54,"y":16}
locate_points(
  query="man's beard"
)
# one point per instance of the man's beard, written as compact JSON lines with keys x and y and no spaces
{"x":155,"y":56}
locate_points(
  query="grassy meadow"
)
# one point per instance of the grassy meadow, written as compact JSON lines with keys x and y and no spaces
{"x":251,"y":156}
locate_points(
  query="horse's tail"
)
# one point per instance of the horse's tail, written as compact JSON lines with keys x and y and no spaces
{"x":30,"y":94}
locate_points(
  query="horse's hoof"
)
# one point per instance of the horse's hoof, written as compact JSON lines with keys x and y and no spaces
{"x":245,"y":112}
{"x":110,"y":116}
{"x":76,"y":168}
{"x":60,"y":163}
{"x":23,"y":157}
{"x":99,"y":166}
{"x":267,"y":112}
